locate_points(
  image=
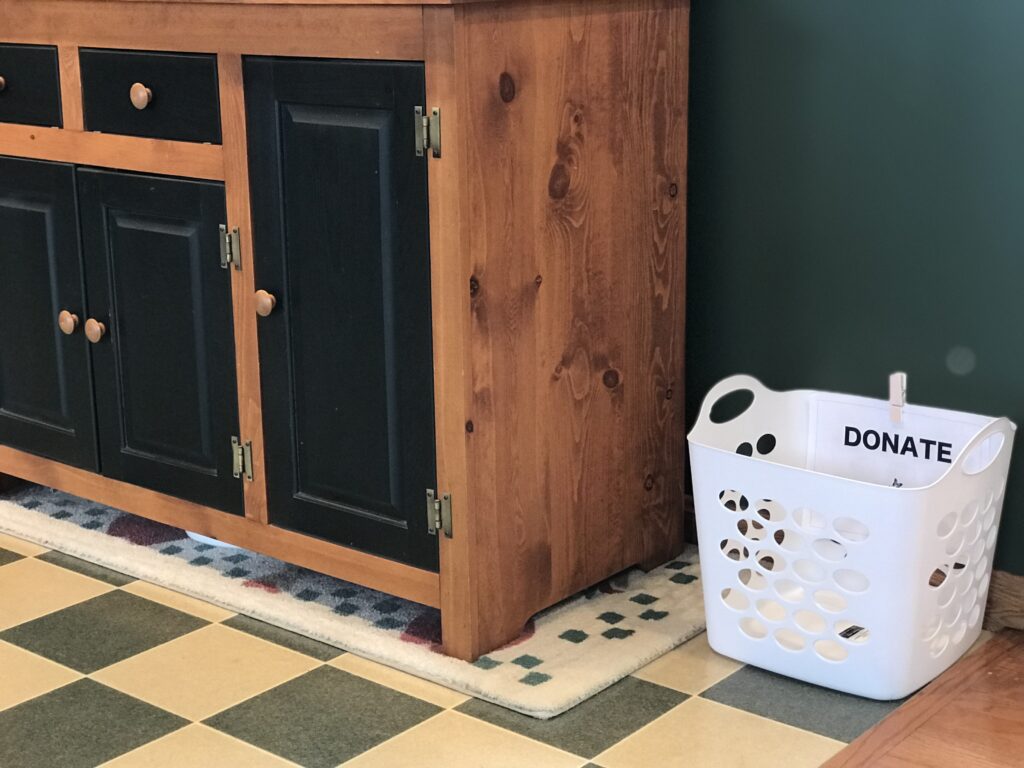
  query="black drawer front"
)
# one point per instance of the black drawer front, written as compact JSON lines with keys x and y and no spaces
{"x":184,"y":102}
{"x":31,"y":85}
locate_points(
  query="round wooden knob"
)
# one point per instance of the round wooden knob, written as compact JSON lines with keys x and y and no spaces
{"x":68,"y":322}
{"x":140,"y":96}
{"x":3,"y":82}
{"x":94,"y":330}
{"x":265,"y":303}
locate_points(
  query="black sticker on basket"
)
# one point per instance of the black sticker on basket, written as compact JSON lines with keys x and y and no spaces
{"x":900,"y":445}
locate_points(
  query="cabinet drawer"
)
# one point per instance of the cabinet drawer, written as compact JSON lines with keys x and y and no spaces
{"x":30,"y":91}
{"x":155,"y":95}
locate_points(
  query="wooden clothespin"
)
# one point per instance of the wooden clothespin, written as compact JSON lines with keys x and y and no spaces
{"x":897,"y":396}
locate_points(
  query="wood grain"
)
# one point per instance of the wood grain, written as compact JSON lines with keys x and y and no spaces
{"x":70,"y":87}
{"x":174,"y":158}
{"x":360,"y":568}
{"x":971,"y":715}
{"x":247,"y":351}
{"x":1005,"y":602}
{"x":572,"y":147}
{"x":348,"y":31}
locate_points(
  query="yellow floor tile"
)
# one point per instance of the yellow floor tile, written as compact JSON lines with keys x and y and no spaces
{"x":22,"y":547}
{"x":400,"y":681}
{"x":691,"y":668}
{"x":194,"y":746}
{"x":25,"y":675}
{"x":177,"y":600}
{"x":30,"y":588}
{"x":454,"y":740}
{"x":704,"y":734}
{"x":206,"y":671}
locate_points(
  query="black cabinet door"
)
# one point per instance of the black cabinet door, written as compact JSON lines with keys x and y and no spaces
{"x":340,"y":233}
{"x":46,"y":404}
{"x":164,"y":373}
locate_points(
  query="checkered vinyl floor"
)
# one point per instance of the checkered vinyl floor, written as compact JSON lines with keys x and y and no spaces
{"x":97,"y":668}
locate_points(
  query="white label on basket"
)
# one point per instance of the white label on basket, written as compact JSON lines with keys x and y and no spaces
{"x":858,"y":440}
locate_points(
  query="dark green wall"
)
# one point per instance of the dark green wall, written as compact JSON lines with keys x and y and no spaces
{"x":856,"y":202}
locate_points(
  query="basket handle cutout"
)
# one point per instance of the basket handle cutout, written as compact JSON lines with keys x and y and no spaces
{"x":985,"y":447}
{"x":730,"y":398}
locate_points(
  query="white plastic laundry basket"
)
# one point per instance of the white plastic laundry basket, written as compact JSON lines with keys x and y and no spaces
{"x":839,"y":546}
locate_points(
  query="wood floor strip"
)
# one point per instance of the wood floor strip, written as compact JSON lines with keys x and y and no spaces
{"x":919,"y":733}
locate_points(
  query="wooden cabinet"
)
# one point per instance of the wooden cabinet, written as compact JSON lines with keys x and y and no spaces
{"x":46,"y":403}
{"x":444,"y":357}
{"x":339,"y":205}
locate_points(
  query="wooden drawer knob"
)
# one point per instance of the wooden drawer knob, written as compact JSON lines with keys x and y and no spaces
{"x":94,"y":330}
{"x":140,"y":95}
{"x":265,"y":303}
{"x":68,"y":322}
{"x":3,"y":82}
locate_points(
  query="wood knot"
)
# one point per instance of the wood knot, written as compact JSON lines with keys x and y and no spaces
{"x":506,"y":87}
{"x":611,"y":378}
{"x":538,"y":280}
{"x":558,"y":183}
{"x":474,"y":286}
{"x":668,"y":394}
{"x":649,"y":482}
{"x":469,"y":427}
{"x":673,"y":190}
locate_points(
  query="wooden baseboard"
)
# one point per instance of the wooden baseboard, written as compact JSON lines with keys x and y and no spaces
{"x":1005,"y":602}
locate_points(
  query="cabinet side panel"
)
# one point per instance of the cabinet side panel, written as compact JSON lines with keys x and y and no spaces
{"x":574,"y":120}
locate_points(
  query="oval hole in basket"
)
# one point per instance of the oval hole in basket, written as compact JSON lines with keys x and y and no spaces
{"x":983,"y":582}
{"x":851,"y":530}
{"x":830,"y":650}
{"x":789,"y":590}
{"x":969,"y":512}
{"x":851,"y":581}
{"x":946,"y":525}
{"x":735,"y":599}
{"x":788,"y":540}
{"x":972,"y":620}
{"x":770,"y":561}
{"x":770,"y":510}
{"x":733,"y":500}
{"x":852,"y":632}
{"x":753,"y":627}
{"x":809,"y":520}
{"x":771,"y":610}
{"x":808,"y":570}
{"x":751,"y":529}
{"x":983,"y":454}
{"x":830,"y":601}
{"x":954,"y":543}
{"x":809,"y":621}
{"x":752,"y":580}
{"x":932,"y":628}
{"x":789,"y":640}
{"x":829,"y":549}
{"x":961,"y":630}
{"x":731,"y":406}
{"x":734,"y":550}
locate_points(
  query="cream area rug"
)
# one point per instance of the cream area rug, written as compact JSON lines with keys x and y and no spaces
{"x":565,"y":655}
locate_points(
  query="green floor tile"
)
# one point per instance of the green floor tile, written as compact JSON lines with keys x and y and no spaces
{"x":79,"y":726}
{"x":102,"y":631}
{"x":290,"y":640}
{"x":323,"y":718}
{"x":6,"y":556}
{"x":808,"y":707}
{"x":593,"y":726}
{"x":86,"y":568}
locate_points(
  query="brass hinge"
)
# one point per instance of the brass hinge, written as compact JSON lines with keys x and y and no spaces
{"x":439,"y":513}
{"x":428,"y":132}
{"x":241,"y":458}
{"x":230,"y":253}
